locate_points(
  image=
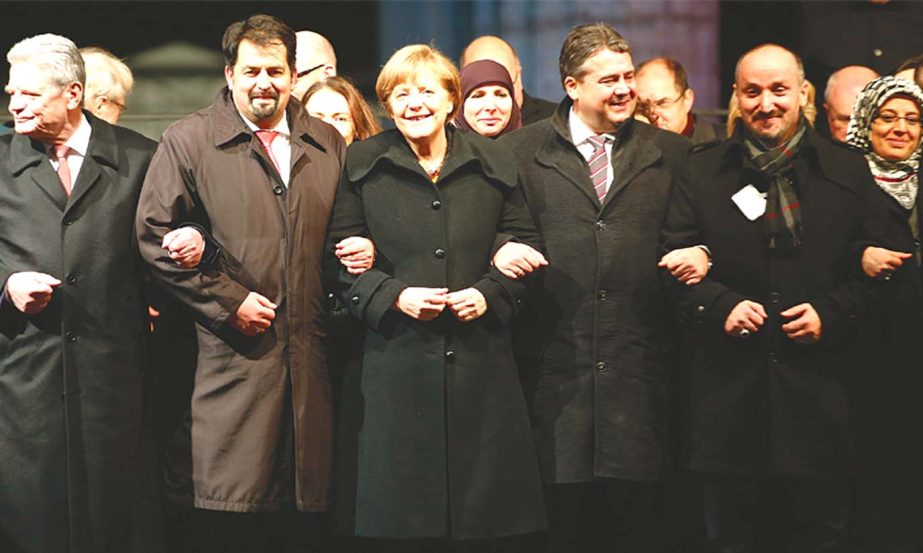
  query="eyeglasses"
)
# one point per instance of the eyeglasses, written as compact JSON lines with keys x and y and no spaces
{"x":891,"y":118}
{"x":665,"y":103}
{"x":122,"y":107}
{"x":306,"y":71}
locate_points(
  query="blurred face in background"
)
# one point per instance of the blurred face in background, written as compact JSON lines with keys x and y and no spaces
{"x":665,"y":104}
{"x":895,"y":132}
{"x":488,"y":109}
{"x":331,"y":107}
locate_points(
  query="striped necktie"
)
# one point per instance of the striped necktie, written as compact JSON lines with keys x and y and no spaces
{"x":599,"y":165}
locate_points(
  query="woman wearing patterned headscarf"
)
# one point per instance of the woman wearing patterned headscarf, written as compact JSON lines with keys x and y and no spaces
{"x":885,"y":127}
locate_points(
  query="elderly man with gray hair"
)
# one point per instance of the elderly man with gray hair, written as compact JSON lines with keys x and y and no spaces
{"x":109,"y":82}
{"x":73,"y":330}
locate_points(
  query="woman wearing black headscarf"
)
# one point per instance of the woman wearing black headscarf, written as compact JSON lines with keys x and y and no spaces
{"x":488,"y":104}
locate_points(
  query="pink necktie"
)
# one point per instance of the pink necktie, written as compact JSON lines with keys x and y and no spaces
{"x":266,"y":137}
{"x":599,"y":165}
{"x":64,"y":172}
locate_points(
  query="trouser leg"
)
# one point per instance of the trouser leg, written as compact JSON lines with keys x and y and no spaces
{"x":731,"y":510}
{"x":820,"y":515}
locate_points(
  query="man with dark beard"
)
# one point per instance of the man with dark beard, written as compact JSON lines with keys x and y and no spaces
{"x":254,"y":170}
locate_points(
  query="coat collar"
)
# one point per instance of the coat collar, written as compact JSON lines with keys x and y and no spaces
{"x":634,"y":152}
{"x":228,"y":125}
{"x":818,"y":152}
{"x":464,"y":147}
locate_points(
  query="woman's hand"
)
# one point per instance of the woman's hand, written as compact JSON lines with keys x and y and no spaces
{"x":468,"y":304}
{"x":424,"y":304}
{"x":356,"y":253}
{"x":688,"y":265}
{"x":881,"y":262}
{"x":516,"y":260}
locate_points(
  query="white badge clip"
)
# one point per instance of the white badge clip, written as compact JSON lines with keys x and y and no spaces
{"x":752,"y":202}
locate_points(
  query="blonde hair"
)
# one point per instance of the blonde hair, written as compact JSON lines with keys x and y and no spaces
{"x":107,"y":75}
{"x":408,"y":63}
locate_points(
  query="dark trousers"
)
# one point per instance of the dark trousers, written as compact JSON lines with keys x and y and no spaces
{"x":204,"y":531}
{"x":802,"y":515}
{"x":615,"y":516}
{"x":499,"y":545}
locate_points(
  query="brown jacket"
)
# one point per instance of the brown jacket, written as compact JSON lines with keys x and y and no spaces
{"x":253,"y":398}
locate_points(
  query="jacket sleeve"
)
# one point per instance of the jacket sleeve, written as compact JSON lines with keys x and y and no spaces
{"x":368,"y":296}
{"x":168,"y":200}
{"x":504,"y":295}
{"x":848,"y":306}
{"x":708,"y":302}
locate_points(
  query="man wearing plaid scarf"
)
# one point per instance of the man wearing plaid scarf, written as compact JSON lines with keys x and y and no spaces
{"x":772,"y":327}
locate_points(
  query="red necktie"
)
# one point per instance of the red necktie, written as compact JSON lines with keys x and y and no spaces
{"x":64,"y":172}
{"x":599,"y":165}
{"x":266,"y":138}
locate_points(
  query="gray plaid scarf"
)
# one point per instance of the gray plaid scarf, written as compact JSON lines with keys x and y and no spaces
{"x":783,"y":210}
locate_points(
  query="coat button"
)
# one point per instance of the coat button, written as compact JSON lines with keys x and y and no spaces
{"x":439,"y":253}
{"x":355,"y":299}
{"x":775,"y":297}
{"x":601,"y":225}
{"x":773,"y":358}
{"x":68,"y":222}
{"x":277,"y":190}
{"x":449,"y":355}
{"x":71,"y":279}
{"x":877,"y":52}
{"x":601,"y":366}
{"x":700,"y":309}
{"x":601,"y":295}
{"x":436,"y":204}
{"x":70,"y":336}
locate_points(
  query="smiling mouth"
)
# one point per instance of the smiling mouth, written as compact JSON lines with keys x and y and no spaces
{"x":416,"y":118}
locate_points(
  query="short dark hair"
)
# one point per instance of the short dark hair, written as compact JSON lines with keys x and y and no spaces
{"x":584,"y":41}
{"x":680,"y":79}
{"x":262,"y":30}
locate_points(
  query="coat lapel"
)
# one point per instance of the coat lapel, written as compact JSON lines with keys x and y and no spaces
{"x":633,"y":155}
{"x":27,"y":154}
{"x":103,"y":150}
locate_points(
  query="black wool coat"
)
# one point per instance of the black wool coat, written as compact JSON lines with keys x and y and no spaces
{"x":765,"y":405}
{"x":71,"y":376}
{"x":434,"y":432}
{"x":599,"y":333}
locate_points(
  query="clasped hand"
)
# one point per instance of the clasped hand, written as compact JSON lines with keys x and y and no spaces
{"x":747,"y":317}
{"x":425,"y":304}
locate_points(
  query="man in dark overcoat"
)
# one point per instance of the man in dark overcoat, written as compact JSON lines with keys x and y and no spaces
{"x":259,"y":175}
{"x":73,"y":330}
{"x":597,"y":184}
{"x":771,"y":328}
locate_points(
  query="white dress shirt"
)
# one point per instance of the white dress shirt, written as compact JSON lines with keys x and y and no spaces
{"x":281,"y":146}
{"x":580,"y":134}
{"x":79,"y":143}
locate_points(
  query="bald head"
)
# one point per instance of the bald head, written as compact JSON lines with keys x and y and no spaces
{"x":496,"y":49}
{"x":842,"y":88}
{"x":771,"y":92}
{"x":314,"y":60}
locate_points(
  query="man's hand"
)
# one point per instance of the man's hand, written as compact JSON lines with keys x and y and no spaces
{"x":804,"y":326}
{"x":424,"y":304}
{"x":468,"y":304}
{"x":516,"y":260}
{"x":254,"y":315}
{"x":356,"y":253}
{"x":688,"y":265}
{"x":745,"y":319}
{"x":881,"y":262}
{"x":185,"y":245}
{"x":30,"y":292}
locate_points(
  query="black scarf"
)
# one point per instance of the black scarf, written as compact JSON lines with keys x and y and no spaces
{"x":783,"y":210}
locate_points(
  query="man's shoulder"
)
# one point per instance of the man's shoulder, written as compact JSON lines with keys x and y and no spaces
{"x":529,"y":136}
{"x":132,"y":140}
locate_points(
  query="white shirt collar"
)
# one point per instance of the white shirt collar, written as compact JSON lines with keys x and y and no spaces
{"x":281,"y":127}
{"x":79,"y":142}
{"x":579,"y":131}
